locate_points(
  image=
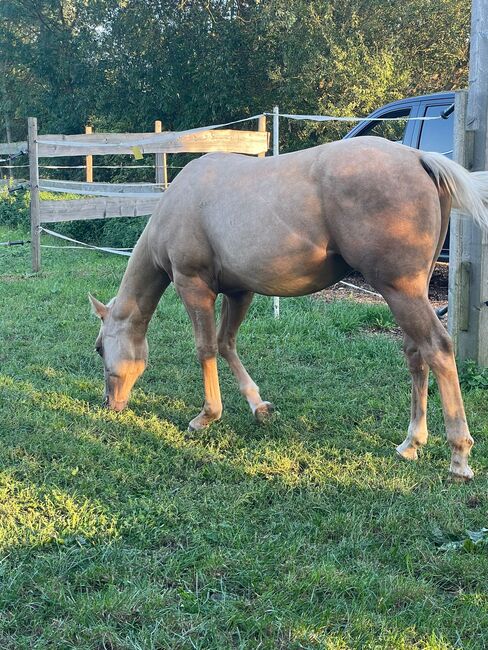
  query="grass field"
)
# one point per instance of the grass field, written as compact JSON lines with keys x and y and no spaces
{"x":125,"y":531}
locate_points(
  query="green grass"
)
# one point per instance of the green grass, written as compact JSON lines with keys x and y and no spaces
{"x":126,"y":532}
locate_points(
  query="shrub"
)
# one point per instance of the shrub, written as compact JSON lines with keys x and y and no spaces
{"x":14,"y":208}
{"x":119,"y":233}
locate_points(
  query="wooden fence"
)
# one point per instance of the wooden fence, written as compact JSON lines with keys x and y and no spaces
{"x":108,"y":200}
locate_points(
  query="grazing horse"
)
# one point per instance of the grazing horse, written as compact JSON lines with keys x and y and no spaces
{"x":289,"y":226}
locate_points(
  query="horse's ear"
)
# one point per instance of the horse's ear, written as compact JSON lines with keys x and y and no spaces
{"x":98,"y":308}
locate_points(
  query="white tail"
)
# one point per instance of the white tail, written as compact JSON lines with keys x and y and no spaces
{"x":469,"y":190}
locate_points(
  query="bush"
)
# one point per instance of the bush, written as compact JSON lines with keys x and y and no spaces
{"x":123,"y":233}
{"x":118,"y":233}
{"x":14,"y":208}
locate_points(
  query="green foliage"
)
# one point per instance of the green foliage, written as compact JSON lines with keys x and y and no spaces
{"x":123,"y":64}
{"x":123,"y":233}
{"x":14,"y":208}
{"x":472,"y":376}
{"x":476,"y":541}
{"x":120,"y":233}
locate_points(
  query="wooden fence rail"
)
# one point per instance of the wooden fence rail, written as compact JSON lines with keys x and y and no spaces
{"x":97,"y":208}
{"x":109,"y":200}
{"x":101,"y":144}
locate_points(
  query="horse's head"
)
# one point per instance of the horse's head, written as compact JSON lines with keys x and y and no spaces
{"x":124,"y":353}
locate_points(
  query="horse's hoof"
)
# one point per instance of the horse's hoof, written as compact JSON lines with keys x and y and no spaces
{"x":407,"y":451}
{"x":464,"y":476}
{"x":195,"y":425}
{"x":202,"y":420}
{"x":263,"y":412}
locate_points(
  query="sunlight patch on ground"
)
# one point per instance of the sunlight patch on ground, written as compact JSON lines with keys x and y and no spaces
{"x":293,"y":466}
{"x":37,"y":515}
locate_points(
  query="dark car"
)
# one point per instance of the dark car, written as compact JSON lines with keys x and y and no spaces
{"x":428,"y":135}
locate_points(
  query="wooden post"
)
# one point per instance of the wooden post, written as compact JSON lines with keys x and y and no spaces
{"x":161,"y":160}
{"x":89,"y":160}
{"x":276,"y":152}
{"x":262,"y":129}
{"x":34,"y":194}
{"x":468,"y":284}
{"x":459,"y":266}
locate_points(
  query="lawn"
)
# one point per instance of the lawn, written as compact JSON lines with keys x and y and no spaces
{"x":127,"y":532}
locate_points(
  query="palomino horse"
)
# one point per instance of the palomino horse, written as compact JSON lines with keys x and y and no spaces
{"x":289,"y":226}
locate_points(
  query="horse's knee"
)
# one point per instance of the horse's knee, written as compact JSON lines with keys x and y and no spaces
{"x":206,"y":351}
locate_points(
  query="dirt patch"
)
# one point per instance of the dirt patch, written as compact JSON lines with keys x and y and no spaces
{"x":342,"y":290}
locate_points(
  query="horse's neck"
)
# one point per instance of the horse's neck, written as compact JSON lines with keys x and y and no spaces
{"x":141,"y":287}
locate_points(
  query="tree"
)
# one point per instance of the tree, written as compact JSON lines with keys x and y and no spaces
{"x":125,"y":63}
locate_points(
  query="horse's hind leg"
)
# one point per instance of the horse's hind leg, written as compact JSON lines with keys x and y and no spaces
{"x":234,"y":309}
{"x":417,"y":429}
{"x":199,"y":301}
{"x":416,"y":317}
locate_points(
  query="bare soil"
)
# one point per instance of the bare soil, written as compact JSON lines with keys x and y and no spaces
{"x":437,"y":289}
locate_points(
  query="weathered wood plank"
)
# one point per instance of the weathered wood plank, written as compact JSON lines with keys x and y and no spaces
{"x":35,"y":212}
{"x":227,"y":140}
{"x":48,"y":185}
{"x":99,"y":208}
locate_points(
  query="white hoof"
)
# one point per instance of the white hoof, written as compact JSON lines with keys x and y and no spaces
{"x":407,"y":451}
{"x":263,"y":411}
{"x":461,"y":475}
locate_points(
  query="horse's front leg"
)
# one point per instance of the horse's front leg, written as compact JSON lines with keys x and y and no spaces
{"x":199,"y":301}
{"x":234,"y":309}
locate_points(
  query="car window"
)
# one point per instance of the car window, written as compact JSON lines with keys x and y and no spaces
{"x":437,"y":135}
{"x":394,"y":130}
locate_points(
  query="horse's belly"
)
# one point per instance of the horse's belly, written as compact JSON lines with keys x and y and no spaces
{"x":286,"y":275}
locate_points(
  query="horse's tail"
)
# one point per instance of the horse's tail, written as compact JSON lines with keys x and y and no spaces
{"x":469,"y":190}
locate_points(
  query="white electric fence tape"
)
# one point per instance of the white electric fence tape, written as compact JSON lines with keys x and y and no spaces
{"x":105,"y":249}
{"x":334,"y":118}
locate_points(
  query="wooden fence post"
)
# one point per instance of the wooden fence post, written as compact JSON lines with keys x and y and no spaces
{"x":459,"y":266}
{"x":469,"y":286}
{"x":34,"y":194}
{"x":276,"y":152}
{"x":161,"y":161}
{"x":89,"y":160}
